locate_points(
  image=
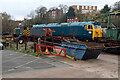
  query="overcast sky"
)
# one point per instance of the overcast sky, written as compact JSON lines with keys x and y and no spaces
{"x":20,"y":8}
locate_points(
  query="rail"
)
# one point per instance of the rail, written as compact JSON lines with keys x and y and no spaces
{"x":96,"y":47}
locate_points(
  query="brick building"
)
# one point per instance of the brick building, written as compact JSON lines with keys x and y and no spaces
{"x":72,"y":19}
{"x":55,"y":13}
{"x":84,"y":9}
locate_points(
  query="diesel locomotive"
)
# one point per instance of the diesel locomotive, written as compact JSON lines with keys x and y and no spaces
{"x":80,"y":30}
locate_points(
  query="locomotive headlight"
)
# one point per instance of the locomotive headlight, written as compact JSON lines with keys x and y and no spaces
{"x":89,"y":32}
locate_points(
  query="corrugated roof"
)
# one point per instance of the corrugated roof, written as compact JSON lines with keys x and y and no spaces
{"x":115,"y":12}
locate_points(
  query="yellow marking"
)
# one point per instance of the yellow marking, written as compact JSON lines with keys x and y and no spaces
{"x":96,"y":32}
{"x":26,"y":32}
{"x":91,"y":26}
{"x":68,"y":56}
{"x":46,"y":51}
{"x":12,"y":39}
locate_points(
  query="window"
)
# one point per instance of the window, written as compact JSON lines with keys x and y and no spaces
{"x":95,"y":27}
{"x":89,"y":7}
{"x":53,"y":15}
{"x":99,"y":27}
{"x":83,"y":11}
{"x":93,"y":7}
{"x":86,"y":7}
{"x":90,"y":27}
{"x":82,"y":7}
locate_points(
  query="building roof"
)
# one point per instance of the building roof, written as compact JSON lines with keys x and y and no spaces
{"x":115,"y":13}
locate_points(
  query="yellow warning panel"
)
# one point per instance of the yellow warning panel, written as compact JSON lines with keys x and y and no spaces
{"x":46,"y":51}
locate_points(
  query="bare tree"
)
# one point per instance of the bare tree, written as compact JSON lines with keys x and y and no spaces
{"x":41,"y":14}
{"x":64,"y":8}
{"x":8,"y":24}
{"x":5,"y":22}
{"x":31,"y":15}
{"x":116,"y":6}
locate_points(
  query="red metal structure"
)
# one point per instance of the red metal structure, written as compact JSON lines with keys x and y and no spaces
{"x":48,"y":31}
{"x":44,"y":49}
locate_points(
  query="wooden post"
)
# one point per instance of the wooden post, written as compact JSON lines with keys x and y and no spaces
{"x":16,"y":45}
{"x":34,"y":45}
{"x":25,"y":45}
{"x":5,"y":44}
{"x":25,"y":42}
{"x":10,"y":44}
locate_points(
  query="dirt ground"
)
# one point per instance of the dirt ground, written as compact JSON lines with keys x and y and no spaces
{"x":106,"y":66}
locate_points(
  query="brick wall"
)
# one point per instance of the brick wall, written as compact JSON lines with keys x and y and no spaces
{"x":55,"y":13}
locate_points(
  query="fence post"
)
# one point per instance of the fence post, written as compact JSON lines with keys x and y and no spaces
{"x":34,"y":47}
{"x":34,"y":44}
{"x":16,"y":45}
{"x":10,"y":44}
{"x":25,"y":45}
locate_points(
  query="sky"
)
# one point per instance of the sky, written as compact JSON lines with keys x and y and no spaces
{"x":21,"y":8}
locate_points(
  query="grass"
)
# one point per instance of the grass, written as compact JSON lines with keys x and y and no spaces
{"x":53,"y":53}
{"x":21,"y":49}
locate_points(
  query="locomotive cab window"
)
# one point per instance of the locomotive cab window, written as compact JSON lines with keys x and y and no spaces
{"x":89,"y":27}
